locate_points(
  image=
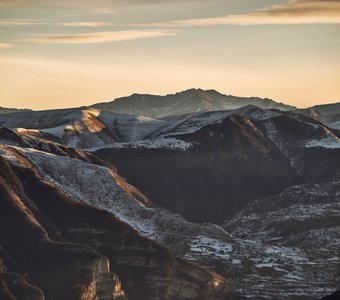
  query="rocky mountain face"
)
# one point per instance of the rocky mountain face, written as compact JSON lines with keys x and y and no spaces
{"x":266,"y":180}
{"x":79,"y":175}
{"x":328,"y":114}
{"x":81,"y":128}
{"x":53,"y":246}
{"x":281,"y":149}
{"x":206,"y":182}
{"x":193,"y":100}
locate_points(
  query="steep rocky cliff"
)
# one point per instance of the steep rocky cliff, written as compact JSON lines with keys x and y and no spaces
{"x":71,"y":250}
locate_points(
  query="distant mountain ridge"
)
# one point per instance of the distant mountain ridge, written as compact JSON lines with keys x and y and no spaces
{"x":5,"y":110}
{"x":326,"y":113}
{"x":192,"y":100}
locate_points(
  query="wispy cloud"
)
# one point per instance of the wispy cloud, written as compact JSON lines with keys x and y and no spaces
{"x":292,"y":12}
{"x":35,"y":22}
{"x":103,"y":10}
{"x":20,"y":22}
{"x":86,"y":24}
{"x":100,"y":37}
{"x":5,"y":45}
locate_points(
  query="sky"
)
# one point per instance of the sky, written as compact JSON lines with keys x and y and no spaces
{"x":70,"y":53}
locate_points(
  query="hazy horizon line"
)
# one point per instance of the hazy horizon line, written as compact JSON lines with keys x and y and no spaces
{"x":167,"y":94}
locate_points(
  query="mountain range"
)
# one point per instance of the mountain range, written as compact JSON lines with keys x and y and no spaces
{"x":328,"y":114}
{"x":189,"y":101}
{"x":227,"y":198}
{"x":4,"y":110}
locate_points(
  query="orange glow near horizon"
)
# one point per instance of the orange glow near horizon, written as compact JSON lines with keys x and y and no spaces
{"x":288,"y":52}
{"x":47,"y":85}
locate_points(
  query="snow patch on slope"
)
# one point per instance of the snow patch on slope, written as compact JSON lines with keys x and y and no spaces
{"x":8,"y":155}
{"x":159,"y":143}
{"x":324,"y":143}
{"x":87,"y":182}
{"x":98,"y":186}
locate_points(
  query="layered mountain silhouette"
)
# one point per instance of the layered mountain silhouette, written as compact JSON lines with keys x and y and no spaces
{"x":206,"y":182}
{"x":327,"y":113}
{"x":212,"y":179}
{"x":98,"y":204}
{"x":4,"y":110}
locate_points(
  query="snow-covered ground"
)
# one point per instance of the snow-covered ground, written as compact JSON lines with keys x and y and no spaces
{"x":92,"y":129}
{"x":158,"y":143}
{"x":272,"y":272}
{"x":104,"y":188}
{"x":82,"y":128}
{"x":325,"y":143}
{"x":302,"y":226}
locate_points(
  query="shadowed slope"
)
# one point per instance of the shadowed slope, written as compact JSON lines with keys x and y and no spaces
{"x":70,"y":249}
{"x":213,"y":179}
